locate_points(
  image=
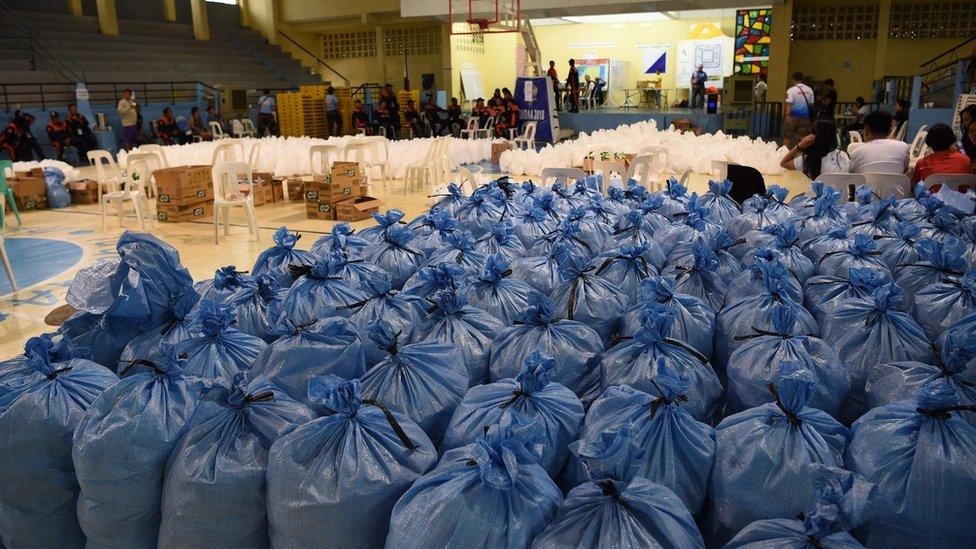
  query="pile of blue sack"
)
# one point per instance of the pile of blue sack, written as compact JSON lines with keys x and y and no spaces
{"x":524,"y":367}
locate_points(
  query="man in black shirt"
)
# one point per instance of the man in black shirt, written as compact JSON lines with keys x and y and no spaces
{"x":828,"y":101}
{"x":574,"y":84}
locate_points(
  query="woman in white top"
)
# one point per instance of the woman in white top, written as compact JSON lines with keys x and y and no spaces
{"x":817,"y":153}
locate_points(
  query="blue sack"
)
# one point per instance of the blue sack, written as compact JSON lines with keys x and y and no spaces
{"x":720,"y":242}
{"x":497,"y":292}
{"x":433,"y":228}
{"x":337,"y":477}
{"x":586,"y":297}
{"x":392,"y":218}
{"x":57,"y":194}
{"x":968,"y":229}
{"x":226,"y":280}
{"x":324,"y":347}
{"x":862,"y":253}
{"x":941,"y":304}
{"x":219,"y":350}
{"x":460,"y":250}
{"x":834,"y":240}
{"x":604,"y":211}
{"x":482,"y":210}
{"x":252,"y":305}
{"x":576,"y":347}
{"x":749,"y":282}
{"x":42,"y":400}
{"x":694,"y":321}
{"x":679,"y":448}
{"x":530,"y":394}
{"x":717,"y":200}
{"x":214,"y":493}
{"x":279,"y":258}
{"x":615,"y":508}
{"x":901,"y":249}
{"x":354,"y":272}
{"x":826,"y":214}
{"x":634,"y":229}
{"x":763,"y":456}
{"x":938,"y":262}
{"x":120,"y":450}
{"x":452,"y":200}
{"x":452,"y":322}
{"x":492,"y":493}
{"x":569,"y":233}
{"x":400,"y":311}
{"x":911,"y":208}
{"x":802,"y":203}
{"x":431,"y":279}
{"x":395,"y":255}
{"x":534,"y":223}
{"x":636,"y":363}
{"x":541,"y":272}
{"x":877,"y":220}
{"x":757,"y":216}
{"x":871,"y":331}
{"x":699,"y":276}
{"x":636,"y":194}
{"x":825,"y":293}
{"x":616,"y":202}
{"x":341,"y":239}
{"x":424,"y":381}
{"x":649,"y":207}
{"x":627,"y":267}
{"x":595,"y":231}
{"x":776,"y":203}
{"x":753,"y":366}
{"x":318,"y":293}
{"x":919,"y":453}
{"x":695,"y":224}
{"x":675,"y":197}
{"x":844,"y":502}
{"x":785,"y":240}
{"x":177,"y":330}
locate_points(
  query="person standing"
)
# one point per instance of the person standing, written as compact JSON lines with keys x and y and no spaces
{"x":828,"y":100}
{"x":655,"y":81}
{"x":127,"y":112}
{"x":333,"y":119}
{"x":759,"y":91}
{"x":266,"y":109}
{"x":389,"y":98}
{"x":798,"y":110}
{"x":554,"y":77}
{"x":573,"y":82}
{"x":81,"y":135}
{"x":698,"y":81}
{"x":24,"y":120}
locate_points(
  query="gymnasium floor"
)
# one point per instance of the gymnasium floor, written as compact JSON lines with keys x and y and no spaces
{"x":53,"y":245}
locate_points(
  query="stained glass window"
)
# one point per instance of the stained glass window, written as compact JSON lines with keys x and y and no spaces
{"x":752,"y":28}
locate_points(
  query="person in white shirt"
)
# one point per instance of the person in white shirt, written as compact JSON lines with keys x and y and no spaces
{"x":817,"y":153}
{"x":879,"y":154}
{"x":798,"y":110}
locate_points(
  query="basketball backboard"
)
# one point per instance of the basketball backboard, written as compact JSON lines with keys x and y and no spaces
{"x":484,"y":16}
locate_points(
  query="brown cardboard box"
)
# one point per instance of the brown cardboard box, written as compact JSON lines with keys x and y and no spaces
{"x":345,"y":181}
{"x":497,"y":149}
{"x":197,"y":211}
{"x":261,"y":191}
{"x":184,"y":185}
{"x":30,"y":193}
{"x":358,"y":208}
{"x":316,"y":210}
{"x":296,"y":189}
{"x":277,"y":193}
{"x":83,"y":192}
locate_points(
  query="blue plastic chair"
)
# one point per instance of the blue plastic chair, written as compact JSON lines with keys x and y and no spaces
{"x":5,"y":189}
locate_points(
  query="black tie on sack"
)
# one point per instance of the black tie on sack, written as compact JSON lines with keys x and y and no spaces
{"x":571,"y":306}
{"x":517,"y":394}
{"x":838,"y":252}
{"x":609,"y":488}
{"x":761,"y":333}
{"x":298,"y":271}
{"x":144,"y":362}
{"x":828,"y":280}
{"x":641,"y":262}
{"x":56,"y":373}
{"x":945,"y":413}
{"x":663,"y":400}
{"x":944,"y":370}
{"x":931,"y":266}
{"x":794,"y":419}
{"x":394,"y":424}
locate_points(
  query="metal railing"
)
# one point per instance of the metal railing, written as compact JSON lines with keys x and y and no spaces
{"x":44,"y":95}
{"x":40,"y":52}
{"x":316,"y":58}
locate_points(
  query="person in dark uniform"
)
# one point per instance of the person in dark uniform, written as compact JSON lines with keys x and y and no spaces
{"x":29,"y":143}
{"x":412,"y":116}
{"x":554,"y":77}
{"x":81,"y":134}
{"x":454,"y":119}
{"x":389,"y":98}
{"x":432,"y":114}
{"x":573,"y":82}
{"x":481,"y":111}
{"x":59,"y":135}
{"x":384,"y":118}
{"x":496,"y":100}
{"x":360,"y":118}
{"x":508,"y":118}
{"x":166,"y":128}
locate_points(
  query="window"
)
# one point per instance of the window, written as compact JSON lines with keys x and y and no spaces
{"x":343,"y":45}
{"x":933,"y":20}
{"x":413,"y":40}
{"x":835,"y":23}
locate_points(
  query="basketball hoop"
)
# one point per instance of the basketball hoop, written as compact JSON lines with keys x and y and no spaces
{"x":484,"y":16}
{"x":481,"y":24}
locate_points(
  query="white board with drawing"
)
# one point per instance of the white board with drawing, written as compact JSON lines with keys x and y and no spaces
{"x":471,"y":82}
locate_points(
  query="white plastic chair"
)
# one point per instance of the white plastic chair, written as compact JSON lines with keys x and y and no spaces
{"x":133,"y":190}
{"x":327,"y":155}
{"x":236,"y":128}
{"x":360,"y":152}
{"x":488,"y":130}
{"x":153,"y":163}
{"x":720,"y":168}
{"x":104,"y":163}
{"x":381,"y":154}
{"x":684,"y":177}
{"x":430,"y":170}
{"x":561,"y":174}
{"x":855,"y":136}
{"x":952,"y":180}
{"x":228,"y":150}
{"x":249,"y":129}
{"x":467,"y":180}
{"x":3,"y":254}
{"x":918,"y":147}
{"x":217,"y":131}
{"x":608,"y":167}
{"x":471,"y":131}
{"x":843,"y":182}
{"x":227,"y":177}
{"x":888,"y":185}
{"x":254,"y":156}
{"x":527,"y":139}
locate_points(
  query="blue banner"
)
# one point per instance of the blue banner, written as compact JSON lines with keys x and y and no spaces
{"x":533,"y":95}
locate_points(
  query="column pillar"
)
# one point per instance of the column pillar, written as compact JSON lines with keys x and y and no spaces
{"x":201,"y":28}
{"x":108,"y":21}
{"x":779,"y":51}
{"x":169,"y":10}
{"x":242,"y":8}
{"x":881,"y":44}
{"x":74,"y":7}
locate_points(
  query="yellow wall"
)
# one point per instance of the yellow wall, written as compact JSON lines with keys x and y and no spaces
{"x":496,"y":63}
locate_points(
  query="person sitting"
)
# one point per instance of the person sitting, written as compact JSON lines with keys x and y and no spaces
{"x":967,"y":144}
{"x":901,"y":116}
{"x":862,"y":110}
{"x":508,"y":118}
{"x":879,"y":154}
{"x":412,"y":117}
{"x":945,"y":158}
{"x":817,"y":152}
{"x":481,"y":111}
{"x":432,"y":114}
{"x":24,"y":120}
{"x":10,"y":141}
{"x":197,"y":127}
{"x":213,"y":116}
{"x":59,"y":134}
{"x":599,"y":91}
{"x":360,"y":119}
{"x":167,"y":129}
{"x":385,"y":120}
{"x":389,"y":98}
{"x":496,"y":99}
{"x":81,"y":134}
{"x":454,"y":119}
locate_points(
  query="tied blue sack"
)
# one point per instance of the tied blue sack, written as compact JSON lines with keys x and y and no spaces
{"x":679,"y":448}
{"x":901,"y":247}
{"x":938,"y":262}
{"x":694,"y":321}
{"x":941,"y":304}
{"x":694,"y":224}
{"x":460,"y":249}
{"x":634,"y":229}
{"x":826,"y":214}
{"x":871,"y":331}
{"x":784,"y":238}
{"x":604,"y":211}
{"x":541,"y":272}
{"x":424,"y":381}
{"x":337,"y":477}
{"x":699,"y":276}
{"x":42,"y":400}
{"x":597,"y":231}
{"x":824,"y":294}
{"x":833,"y":240}
{"x":226,"y":281}
{"x":392,"y":218}
{"x":318,"y":293}
{"x":649,"y":206}
{"x":586,"y":297}
{"x":497,"y":292}
{"x":279,"y":258}
{"x":627,"y":267}
{"x":844,"y":501}
{"x":481,"y":211}
{"x":57,"y":194}
{"x":636,"y":193}
{"x":942,"y":223}
{"x":749,"y":282}
{"x":530,"y":394}
{"x":492,"y":493}
{"x":617,"y":509}
{"x":911,"y":208}
{"x":431,"y":230}
{"x":764,"y":455}
{"x":877,"y":220}
{"x":534,"y":223}
{"x":863,"y":196}
{"x":861,"y":253}
{"x":616,"y":202}
{"x":720,"y":242}
{"x":528,"y":191}
{"x":754,"y":365}
{"x":253,"y":306}
{"x":723,"y":208}
{"x":892,"y":382}
{"x":120,"y":450}
{"x":452,"y":200}
{"x":452,"y":322}
{"x":576,"y":347}
{"x":635,"y":362}
{"x":675,"y":197}
{"x":214,"y":492}
{"x":802,"y":203}
{"x":178,"y":329}
{"x":568,"y":232}
{"x":355,"y":272}
{"x":968,"y":229}
{"x":323,"y":347}
{"x":219,"y":350}
{"x":775,"y":203}
{"x":919,"y":453}
{"x":431,"y":279}
{"x":341,"y":239}
{"x":757,"y":216}
{"x":399,"y":311}
{"x":746,"y":316}
{"x":564,"y":199}
{"x":394,"y":254}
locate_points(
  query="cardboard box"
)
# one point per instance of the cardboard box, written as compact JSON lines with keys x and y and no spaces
{"x":277,"y":193}
{"x":296,"y":189}
{"x":30,"y":193}
{"x":184,"y":185}
{"x":357,"y":209}
{"x":623,"y":158}
{"x":83,"y":192}
{"x":322,"y":190}
{"x":261,"y":191}
{"x":316,"y":210}
{"x":173,"y":213}
{"x":497,"y":149}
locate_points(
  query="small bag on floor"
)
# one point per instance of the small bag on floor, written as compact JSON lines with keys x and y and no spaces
{"x":492,"y":493}
{"x":675,"y":197}
{"x":569,"y":233}
{"x":784,"y":239}
{"x":532,"y":395}
{"x":825,"y":293}
{"x":540,"y":272}
{"x":497,"y":292}
{"x":720,"y":242}
{"x":633,"y":229}
{"x":400,"y":311}
{"x":534,"y":223}
{"x":597,"y":230}
{"x":826,"y":214}
{"x":877,"y":220}
{"x":627,"y":267}
{"x":57,"y":194}
{"x":341,"y":239}
{"x":718,"y":201}
{"x":337,"y":477}
{"x":384,"y":221}
{"x":460,"y":249}
{"x":279,"y":258}
{"x":252,"y":306}
{"x":749,"y":282}
{"x":835,"y":239}
{"x":757,"y":216}
{"x":776,"y":203}
{"x":586,"y":297}
{"x":452,"y":200}
{"x":226,"y":281}
{"x":219,"y":350}
{"x":900,"y":249}
{"x":694,"y":321}
{"x":431,"y":231}
{"x":431,"y":279}
{"x":695,"y":224}
{"x":452,"y":322}
{"x":481,"y":211}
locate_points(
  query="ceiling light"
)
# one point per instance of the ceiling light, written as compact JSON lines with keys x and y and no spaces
{"x":610,"y":19}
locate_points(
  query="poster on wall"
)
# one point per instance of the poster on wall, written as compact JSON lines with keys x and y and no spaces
{"x":654,"y":58}
{"x":536,"y":104}
{"x":471,"y":82}
{"x":594,"y":68}
{"x":706,"y":45}
{"x":752,"y":28}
